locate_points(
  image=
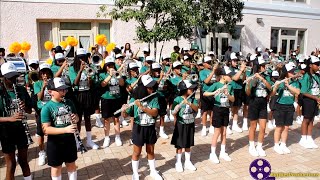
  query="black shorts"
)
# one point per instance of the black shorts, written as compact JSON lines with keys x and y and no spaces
{"x":109,"y":106}
{"x":12,"y":137}
{"x":283,"y":114}
{"x":257,"y":108}
{"x":206,"y":102}
{"x":220,"y":117}
{"x":245,"y":98}
{"x":143,"y":135}
{"x":39,"y":125}
{"x":183,"y":135}
{"x":309,"y":108}
{"x":163,"y":106}
{"x":84,"y":103}
{"x":238,"y":96}
{"x":272,"y":103}
{"x":61,"y":149}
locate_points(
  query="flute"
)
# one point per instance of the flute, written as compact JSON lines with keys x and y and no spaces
{"x":131,"y":104}
{"x":251,"y":77}
{"x":24,"y":120}
{"x":283,"y":80}
{"x":218,"y":91}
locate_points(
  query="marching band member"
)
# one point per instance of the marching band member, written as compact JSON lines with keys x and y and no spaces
{"x":59,"y":118}
{"x":284,"y":109}
{"x":12,"y":131}
{"x":110,"y":99}
{"x":166,"y":64}
{"x":82,"y":82}
{"x":187,"y":67}
{"x":258,"y":89}
{"x":184,"y":128}
{"x":43,"y":96}
{"x":223,"y":93}
{"x":145,"y":69}
{"x":207,"y":78}
{"x":143,"y":131}
{"x":271,"y":106}
{"x":158,"y":75}
{"x":302,"y":70}
{"x":310,"y":91}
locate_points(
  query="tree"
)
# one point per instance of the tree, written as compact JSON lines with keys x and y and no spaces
{"x":158,"y":20}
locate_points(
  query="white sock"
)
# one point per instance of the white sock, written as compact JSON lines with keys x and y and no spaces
{"x":223,"y":148}
{"x":204,"y":127}
{"x":276,"y":144}
{"x":259,"y":144}
{"x":309,"y":138}
{"x":117,"y":136}
{"x":135,"y":166}
{"x":89,"y":136}
{"x":187,"y":156}
{"x":56,"y":178}
{"x":283,"y":144}
{"x":301,"y":117}
{"x":107,"y":137}
{"x":304,"y":137}
{"x":161,"y":129}
{"x":27,"y":178}
{"x":235,"y":123}
{"x":152,"y":165}
{"x":72,"y":175}
{"x":178,"y":156}
{"x":213,"y":150}
{"x":251,"y":143}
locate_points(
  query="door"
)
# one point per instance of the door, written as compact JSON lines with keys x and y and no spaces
{"x":85,"y":40}
{"x":287,"y":44}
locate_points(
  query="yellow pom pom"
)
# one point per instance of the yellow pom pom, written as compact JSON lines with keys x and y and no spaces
{"x":72,"y":41}
{"x":25,"y":46}
{"x":15,"y":47}
{"x":48,"y":45}
{"x":49,"y":61}
{"x":105,"y":42}
{"x":109,"y":48}
{"x":101,"y":39}
{"x":63,"y":44}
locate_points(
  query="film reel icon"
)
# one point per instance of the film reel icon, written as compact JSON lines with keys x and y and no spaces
{"x":260,"y":169}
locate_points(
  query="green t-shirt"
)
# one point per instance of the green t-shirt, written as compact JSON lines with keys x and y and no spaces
{"x":221,"y":100}
{"x":131,"y":80}
{"x":84,"y":84}
{"x":203,"y":76}
{"x":174,"y":83}
{"x":144,"y":69}
{"x":310,"y":84}
{"x":284,"y":95}
{"x":46,"y":96}
{"x":140,"y":117}
{"x":54,"y":68}
{"x":186,"y":114}
{"x":166,"y":69}
{"x":184,"y":69}
{"x":112,"y":90}
{"x":236,"y":84}
{"x":58,"y":114}
{"x":162,"y":91}
{"x":258,"y":88}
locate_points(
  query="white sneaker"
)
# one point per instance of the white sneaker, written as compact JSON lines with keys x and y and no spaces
{"x":163,"y":135}
{"x":312,"y":144}
{"x":261,"y":152}
{"x":245,"y":126}
{"x":124,"y":123}
{"x":229,"y":132}
{"x":135,"y":176}
{"x":179,"y":167}
{"x":299,"y":120}
{"x":304,"y":143}
{"x":198,"y":114}
{"x":42,"y":158}
{"x":317,"y":118}
{"x":130,"y":142}
{"x":156,"y":176}
{"x":253,"y":151}
{"x":211,"y":130}
{"x":278,"y":149}
{"x":106,"y":142}
{"x":188,"y":165}
{"x":118,"y":141}
{"x":214,"y":158}
{"x":99,"y":124}
{"x":92,"y":145}
{"x":270,"y":125}
{"x":204,"y":131}
{"x":166,"y":119}
{"x":285,"y":149}
{"x":224,"y":156}
{"x":236,"y":128}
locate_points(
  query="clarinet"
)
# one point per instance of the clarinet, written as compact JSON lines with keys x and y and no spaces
{"x":24,"y":120}
{"x":77,"y":135}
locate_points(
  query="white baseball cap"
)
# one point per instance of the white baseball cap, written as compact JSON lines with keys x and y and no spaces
{"x":176,"y":64}
{"x":314,"y":59}
{"x":302,"y":66}
{"x":119,"y":56}
{"x":109,"y":59}
{"x":294,"y":53}
{"x":233,"y":56}
{"x":59,"y":56}
{"x":275,"y":74}
{"x":253,"y":57}
{"x":146,"y":49}
{"x":211,"y":53}
{"x":290,"y":67}
{"x":81,"y":52}
{"x":261,"y":61}
{"x":199,"y":62}
{"x":259,"y":49}
{"x":186,"y":57}
{"x":186,"y":48}
{"x":150,"y":58}
{"x":156,"y":66}
{"x":166,"y":57}
{"x":9,"y":70}
{"x":148,"y":81}
{"x":207,"y":59}
{"x":133,"y":65}
{"x":33,"y":61}
{"x":44,"y":66}
{"x":57,"y":84}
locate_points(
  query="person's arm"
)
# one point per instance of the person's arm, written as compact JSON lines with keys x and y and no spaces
{"x":15,"y":117}
{"x":229,"y":93}
{"x":150,"y":111}
{"x":41,"y":93}
{"x":106,"y":80}
{"x":48,"y":129}
{"x":248,"y":88}
{"x":136,"y":55}
{"x":293,"y":90}
{"x":208,"y":79}
{"x":59,"y":72}
{"x":77,"y":79}
{"x":264,"y":81}
{"x":194,"y":106}
{"x":237,"y":76}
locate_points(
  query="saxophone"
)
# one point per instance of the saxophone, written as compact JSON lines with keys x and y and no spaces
{"x":24,"y":120}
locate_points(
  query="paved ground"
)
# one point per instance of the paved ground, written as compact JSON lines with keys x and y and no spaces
{"x":115,"y":162}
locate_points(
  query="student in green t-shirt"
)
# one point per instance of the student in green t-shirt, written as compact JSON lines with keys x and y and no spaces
{"x":302,"y":70}
{"x":284,"y":109}
{"x":59,"y":118}
{"x":143,"y":130}
{"x":223,"y":94}
{"x":145,"y":69}
{"x":12,"y":130}
{"x":185,"y":111}
{"x":111,"y":80}
{"x":258,"y":88}
{"x":311,"y":99}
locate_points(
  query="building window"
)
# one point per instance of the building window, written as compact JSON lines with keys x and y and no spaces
{"x":45,"y":34}
{"x":75,"y":25}
{"x":295,"y":1}
{"x":104,"y":28}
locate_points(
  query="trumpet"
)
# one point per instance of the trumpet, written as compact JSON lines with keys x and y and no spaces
{"x":96,"y":58}
{"x":90,"y":71}
{"x":33,"y":77}
{"x":116,"y":74}
{"x":193,"y":78}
